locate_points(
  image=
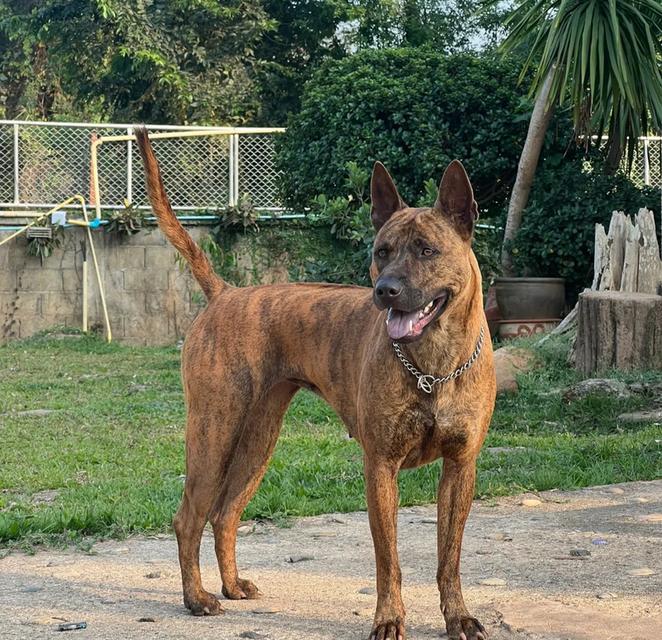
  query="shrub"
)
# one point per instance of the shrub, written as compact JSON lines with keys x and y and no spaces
{"x":569,"y":196}
{"x":413,"y":109}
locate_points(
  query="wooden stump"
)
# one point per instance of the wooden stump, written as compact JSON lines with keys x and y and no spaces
{"x":618,"y":330}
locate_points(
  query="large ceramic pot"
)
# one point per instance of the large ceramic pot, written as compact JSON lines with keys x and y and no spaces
{"x":530,"y":298}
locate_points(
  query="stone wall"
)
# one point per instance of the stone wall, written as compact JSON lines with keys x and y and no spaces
{"x":151,"y":299}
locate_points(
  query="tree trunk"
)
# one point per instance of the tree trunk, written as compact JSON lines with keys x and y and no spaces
{"x":526,"y":170}
{"x":618,"y":330}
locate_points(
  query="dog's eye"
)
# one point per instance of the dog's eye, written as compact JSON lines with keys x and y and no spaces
{"x":382,"y":253}
{"x":427,"y":252}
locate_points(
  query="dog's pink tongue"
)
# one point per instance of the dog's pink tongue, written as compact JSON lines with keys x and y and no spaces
{"x":398,"y":325}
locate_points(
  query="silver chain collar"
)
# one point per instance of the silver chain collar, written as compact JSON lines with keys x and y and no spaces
{"x":427,"y":382}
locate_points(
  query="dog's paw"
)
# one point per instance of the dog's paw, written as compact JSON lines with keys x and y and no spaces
{"x":204,"y":604}
{"x":241,"y":590}
{"x":466,"y":628}
{"x":388,"y":630}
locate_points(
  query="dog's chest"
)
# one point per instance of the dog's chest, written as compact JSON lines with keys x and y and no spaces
{"x":429,"y":432}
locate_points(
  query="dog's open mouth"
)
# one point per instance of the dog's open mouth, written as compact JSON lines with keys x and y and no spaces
{"x":407,"y":326}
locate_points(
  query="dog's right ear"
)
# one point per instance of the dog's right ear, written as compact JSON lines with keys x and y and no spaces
{"x":384,"y":196}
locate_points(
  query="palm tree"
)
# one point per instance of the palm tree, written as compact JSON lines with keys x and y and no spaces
{"x":601,"y":58}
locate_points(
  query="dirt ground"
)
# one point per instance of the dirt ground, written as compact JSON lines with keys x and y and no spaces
{"x":526,"y":574}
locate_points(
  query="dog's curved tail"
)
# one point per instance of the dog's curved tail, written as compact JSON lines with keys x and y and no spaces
{"x":200,"y":265}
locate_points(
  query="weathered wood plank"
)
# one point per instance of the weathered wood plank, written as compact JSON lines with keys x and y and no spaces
{"x":649,"y":253}
{"x":631,"y":259}
{"x":616,"y":236}
{"x":600,"y":255}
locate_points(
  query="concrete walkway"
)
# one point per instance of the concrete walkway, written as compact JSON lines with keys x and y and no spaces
{"x":527,"y":573}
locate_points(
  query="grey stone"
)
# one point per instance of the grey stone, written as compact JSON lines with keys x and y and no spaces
{"x":596,"y":386}
{"x":368,"y":591}
{"x":505,"y":450}
{"x":580,"y":553}
{"x":641,"y":416}
{"x":45,"y":497}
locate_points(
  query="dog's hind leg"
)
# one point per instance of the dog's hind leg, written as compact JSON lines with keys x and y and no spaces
{"x":248,"y":465}
{"x":208,"y":444}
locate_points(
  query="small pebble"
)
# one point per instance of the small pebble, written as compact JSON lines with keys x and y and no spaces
{"x":579,"y":553}
{"x":429,"y":521}
{"x":245,"y":530}
{"x":153,"y":574}
{"x":617,"y":491}
{"x":641,"y":572}
{"x":336,"y":520}
{"x":146,"y":620}
{"x":119,"y":551}
{"x":599,"y":541}
{"x":492,"y":582}
{"x":368,"y":591}
{"x":642,"y":500}
{"x":606,"y":596}
{"x":530,"y":502}
{"x":651,"y":517}
{"x":71,"y":626}
{"x":502,"y":537}
{"x":32,"y":589}
{"x":293,"y":559}
{"x":325,"y":534}
{"x":263,"y":611}
{"x":252,"y":635}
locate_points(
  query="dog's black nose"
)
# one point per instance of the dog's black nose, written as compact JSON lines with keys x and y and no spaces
{"x":387,"y":289}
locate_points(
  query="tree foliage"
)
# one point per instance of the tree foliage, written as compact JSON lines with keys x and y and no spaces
{"x":154,"y":60}
{"x":202,"y":61}
{"x":605,"y":59}
{"x":413,"y":109}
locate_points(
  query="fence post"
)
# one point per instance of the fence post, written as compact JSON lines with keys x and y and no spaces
{"x":93,"y":191}
{"x":129,"y":167}
{"x":647,"y":174}
{"x":230,"y":171}
{"x":235,"y":185}
{"x":16,"y":166}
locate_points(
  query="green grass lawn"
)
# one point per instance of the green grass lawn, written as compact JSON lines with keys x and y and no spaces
{"x":112,"y":448}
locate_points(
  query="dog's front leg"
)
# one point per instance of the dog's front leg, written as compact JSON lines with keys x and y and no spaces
{"x":382,"y":492}
{"x":455,"y":494}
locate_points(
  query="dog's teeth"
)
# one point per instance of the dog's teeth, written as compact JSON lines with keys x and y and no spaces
{"x":411,"y":326}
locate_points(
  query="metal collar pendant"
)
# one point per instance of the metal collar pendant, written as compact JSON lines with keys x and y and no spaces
{"x":427,"y":382}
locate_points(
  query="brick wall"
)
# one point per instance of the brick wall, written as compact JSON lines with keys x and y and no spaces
{"x":151,"y":300}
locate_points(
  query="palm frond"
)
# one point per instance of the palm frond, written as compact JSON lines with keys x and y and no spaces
{"x":605,"y":57}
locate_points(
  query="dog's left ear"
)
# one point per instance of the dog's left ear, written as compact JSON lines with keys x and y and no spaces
{"x":384,"y":196}
{"x":455,"y":199}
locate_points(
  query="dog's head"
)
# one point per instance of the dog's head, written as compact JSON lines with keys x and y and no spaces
{"x":421,"y":257}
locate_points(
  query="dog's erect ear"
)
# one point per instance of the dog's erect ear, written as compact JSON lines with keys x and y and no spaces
{"x":455,"y":199}
{"x":384,"y":196}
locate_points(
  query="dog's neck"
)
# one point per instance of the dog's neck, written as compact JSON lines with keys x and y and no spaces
{"x":450,"y":343}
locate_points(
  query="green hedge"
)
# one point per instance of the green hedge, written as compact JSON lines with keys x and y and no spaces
{"x":413,"y":109}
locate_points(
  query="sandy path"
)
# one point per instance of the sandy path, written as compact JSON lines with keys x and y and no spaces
{"x":548,"y":594}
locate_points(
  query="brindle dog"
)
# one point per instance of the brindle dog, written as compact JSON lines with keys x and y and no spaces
{"x":251,"y":349}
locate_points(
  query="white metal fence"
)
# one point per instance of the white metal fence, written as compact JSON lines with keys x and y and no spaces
{"x":42,"y":164}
